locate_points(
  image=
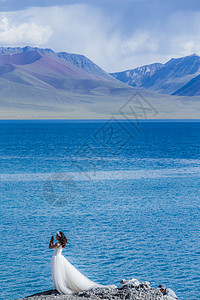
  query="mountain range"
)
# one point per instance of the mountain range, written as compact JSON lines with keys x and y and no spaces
{"x":40,"y":83}
{"x":47,"y":83}
{"x":178,"y":76}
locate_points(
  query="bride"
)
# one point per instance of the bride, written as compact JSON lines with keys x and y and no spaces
{"x":66,"y":278}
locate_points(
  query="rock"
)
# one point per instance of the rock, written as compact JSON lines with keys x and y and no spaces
{"x":140,"y":292}
{"x":132,"y":281}
{"x":126,"y":292}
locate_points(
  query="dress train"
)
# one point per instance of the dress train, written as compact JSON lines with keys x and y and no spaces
{"x":66,"y":278}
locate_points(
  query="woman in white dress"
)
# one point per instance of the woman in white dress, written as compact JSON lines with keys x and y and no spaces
{"x":66,"y":278}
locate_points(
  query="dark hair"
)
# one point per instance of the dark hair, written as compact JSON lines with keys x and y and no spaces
{"x":63,"y":239}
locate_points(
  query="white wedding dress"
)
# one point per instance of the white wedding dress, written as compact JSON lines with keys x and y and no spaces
{"x":66,"y":278}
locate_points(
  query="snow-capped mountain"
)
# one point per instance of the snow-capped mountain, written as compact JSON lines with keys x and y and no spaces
{"x":136,"y":77}
{"x":163,"y":78}
{"x":40,"y":83}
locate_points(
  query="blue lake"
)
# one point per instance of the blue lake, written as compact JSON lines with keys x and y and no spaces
{"x":125,"y":194}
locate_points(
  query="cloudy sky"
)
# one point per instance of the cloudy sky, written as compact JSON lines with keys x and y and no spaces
{"x":115,"y":34}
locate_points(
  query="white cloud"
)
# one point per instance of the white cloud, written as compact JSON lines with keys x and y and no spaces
{"x":183,"y":30}
{"x":87,"y":30}
{"x":23,"y":33}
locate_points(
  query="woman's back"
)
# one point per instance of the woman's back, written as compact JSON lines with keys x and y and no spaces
{"x":58,"y":250}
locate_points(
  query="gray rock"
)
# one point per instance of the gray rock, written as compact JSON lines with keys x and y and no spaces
{"x":140,"y":292}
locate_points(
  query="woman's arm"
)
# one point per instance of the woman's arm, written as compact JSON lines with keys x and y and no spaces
{"x":52,"y":245}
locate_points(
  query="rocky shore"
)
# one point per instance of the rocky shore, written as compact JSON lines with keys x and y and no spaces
{"x":140,"y":292}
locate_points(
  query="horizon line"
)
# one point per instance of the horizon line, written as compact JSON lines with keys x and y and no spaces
{"x":108,"y":119}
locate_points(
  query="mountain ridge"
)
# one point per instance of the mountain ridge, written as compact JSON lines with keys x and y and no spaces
{"x":166,"y":78}
{"x":42,"y":84}
{"x":190,"y":88}
{"x":78,"y":60}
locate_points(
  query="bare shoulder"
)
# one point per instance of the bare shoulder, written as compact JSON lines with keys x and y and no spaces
{"x":57,"y":245}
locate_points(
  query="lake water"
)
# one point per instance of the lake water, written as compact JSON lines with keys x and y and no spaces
{"x":125,"y":194}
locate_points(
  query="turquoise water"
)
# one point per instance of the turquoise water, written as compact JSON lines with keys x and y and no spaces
{"x":126,"y":196}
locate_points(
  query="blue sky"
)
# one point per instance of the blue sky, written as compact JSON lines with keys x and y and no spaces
{"x":117,"y":35}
